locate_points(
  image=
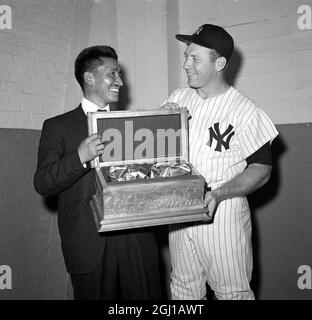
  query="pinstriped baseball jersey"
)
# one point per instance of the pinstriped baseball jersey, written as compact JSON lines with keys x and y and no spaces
{"x":223,"y":131}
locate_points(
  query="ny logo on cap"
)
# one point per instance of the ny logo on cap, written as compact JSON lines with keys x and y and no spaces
{"x":199,"y":30}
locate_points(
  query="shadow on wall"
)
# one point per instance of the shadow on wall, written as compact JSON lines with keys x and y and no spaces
{"x":260,"y":199}
{"x":51,"y":204}
{"x":234,"y":67}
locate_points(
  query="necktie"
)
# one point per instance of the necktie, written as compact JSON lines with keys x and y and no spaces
{"x":101,"y":110}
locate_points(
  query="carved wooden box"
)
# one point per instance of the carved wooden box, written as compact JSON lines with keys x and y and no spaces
{"x":144,"y":138}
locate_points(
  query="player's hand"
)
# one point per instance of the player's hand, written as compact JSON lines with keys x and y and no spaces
{"x":170,"y":106}
{"x":211,"y":202}
{"x":90,"y":148}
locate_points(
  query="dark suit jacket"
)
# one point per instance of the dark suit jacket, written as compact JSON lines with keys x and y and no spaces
{"x":59,"y":171}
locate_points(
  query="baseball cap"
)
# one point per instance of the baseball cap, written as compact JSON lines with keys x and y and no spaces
{"x":213,"y":37}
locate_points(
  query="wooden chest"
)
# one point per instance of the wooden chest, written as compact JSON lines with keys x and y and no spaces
{"x":144,"y":138}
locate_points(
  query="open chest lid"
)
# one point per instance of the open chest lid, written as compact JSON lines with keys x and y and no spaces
{"x":140,"y":136}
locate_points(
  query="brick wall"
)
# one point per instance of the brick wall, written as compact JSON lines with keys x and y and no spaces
{"x":34,"y":61}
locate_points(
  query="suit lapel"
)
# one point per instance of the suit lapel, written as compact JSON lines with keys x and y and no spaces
{"x":78,"y":114}
{"x":75,"y":128}
{"x":81,"y":121}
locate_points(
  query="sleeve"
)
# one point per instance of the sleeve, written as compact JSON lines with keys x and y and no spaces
{"x":256,"y":131}
{"x":56,"y":171}
{"x":261,"y":156}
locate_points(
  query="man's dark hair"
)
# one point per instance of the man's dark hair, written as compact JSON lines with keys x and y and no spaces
{"x":90,"y":59}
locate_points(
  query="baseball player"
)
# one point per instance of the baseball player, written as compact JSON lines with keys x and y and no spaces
{"x":229,"y":141}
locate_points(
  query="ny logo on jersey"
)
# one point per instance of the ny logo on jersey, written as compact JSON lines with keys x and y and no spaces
{"x":220,"y":138}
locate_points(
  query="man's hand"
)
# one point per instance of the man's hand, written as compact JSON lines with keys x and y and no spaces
{"x":251,"y":179}
{"x":170,"y":106}
{"x":211,"y":202}
{"x":90,"y":148}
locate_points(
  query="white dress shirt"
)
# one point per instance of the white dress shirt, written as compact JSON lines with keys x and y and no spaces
{"x":89,"y":106}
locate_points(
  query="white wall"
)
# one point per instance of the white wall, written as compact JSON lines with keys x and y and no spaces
{"x":142,"y":45}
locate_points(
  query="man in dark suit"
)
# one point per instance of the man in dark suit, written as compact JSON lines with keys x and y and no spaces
{"x":118,"y":265}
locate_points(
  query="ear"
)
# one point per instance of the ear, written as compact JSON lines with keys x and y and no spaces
{"x":88,"y":78}
{"x":220,"y":64}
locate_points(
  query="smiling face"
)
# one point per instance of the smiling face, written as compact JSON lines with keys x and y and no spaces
{"x":104,"y":83}
{"x":199,"y":67}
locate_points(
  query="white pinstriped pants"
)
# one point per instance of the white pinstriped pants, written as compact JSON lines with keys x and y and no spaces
{"x":218,"y":253}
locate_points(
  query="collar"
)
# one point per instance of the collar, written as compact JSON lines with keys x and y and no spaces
{"x":89,"y":106}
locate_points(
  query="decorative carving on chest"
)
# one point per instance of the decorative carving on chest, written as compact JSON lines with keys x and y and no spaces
{"x":139,"y":203}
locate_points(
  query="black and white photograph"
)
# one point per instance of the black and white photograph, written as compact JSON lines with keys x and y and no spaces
{"x":155,"y":151}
